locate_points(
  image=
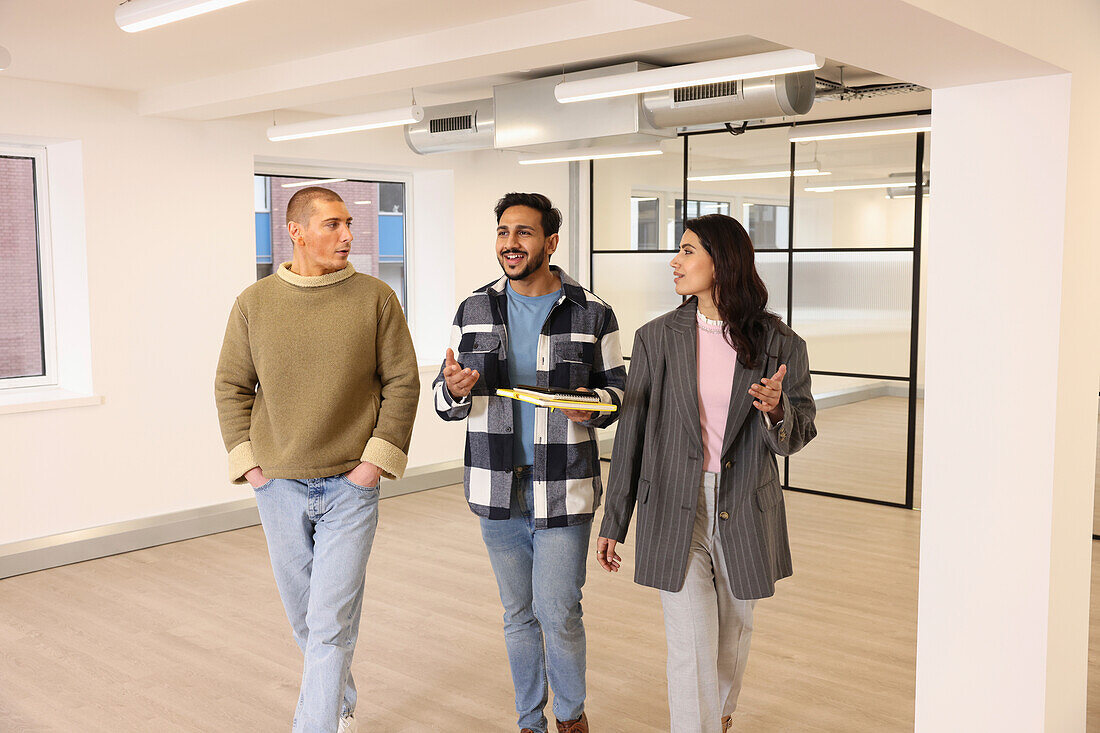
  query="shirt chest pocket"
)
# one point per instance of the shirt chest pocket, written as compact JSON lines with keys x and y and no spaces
{"x":481,"y":351}
{"x":572,"y":364}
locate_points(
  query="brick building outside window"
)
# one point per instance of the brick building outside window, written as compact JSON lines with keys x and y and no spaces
{"x":378,"y":212}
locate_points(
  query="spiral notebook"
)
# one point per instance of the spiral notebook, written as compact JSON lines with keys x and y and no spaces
{"x":561,"y":399}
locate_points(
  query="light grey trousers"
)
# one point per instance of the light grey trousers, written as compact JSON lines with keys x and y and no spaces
{"x":707,"y":629}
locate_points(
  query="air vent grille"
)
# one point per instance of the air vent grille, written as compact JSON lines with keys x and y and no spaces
{"x":705,"y":91}
{"x":452,"y":124}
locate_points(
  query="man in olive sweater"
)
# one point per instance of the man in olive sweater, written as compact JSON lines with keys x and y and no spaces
{"x":317,"y":387}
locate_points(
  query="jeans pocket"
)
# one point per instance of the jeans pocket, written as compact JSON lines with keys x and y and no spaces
{"x":264,"y":485}
{"x":364,"y":489}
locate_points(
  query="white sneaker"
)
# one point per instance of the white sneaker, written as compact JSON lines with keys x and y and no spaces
{"x":348,"y":725}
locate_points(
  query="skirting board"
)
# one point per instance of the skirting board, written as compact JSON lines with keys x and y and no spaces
{"x":41,"y":553}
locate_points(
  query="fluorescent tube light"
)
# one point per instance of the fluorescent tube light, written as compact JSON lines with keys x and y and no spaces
{"x":139,"y":15}
{"x":361,"y":203}
{"x":798,"y":172}
{"x":315,"y":182}
{"x":861,"y":128}
{"x":346,"y":123}
{"x":755,"y":66}
{"x":854,"y":186}
{"x":624,"y":151}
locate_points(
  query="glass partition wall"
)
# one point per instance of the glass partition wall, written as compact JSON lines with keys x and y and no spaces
{"x":838,"y":246}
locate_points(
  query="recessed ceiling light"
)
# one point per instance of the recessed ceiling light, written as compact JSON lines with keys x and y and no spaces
{"x":860,"y":185}
{"x":772,"y":63}
{"x":315,"y":182}
{"x":594,"y":153}
{"x":346,"y":123}
{"x":139,"y":15}
{"x":785,"y":173}
{"x":861,"y":128}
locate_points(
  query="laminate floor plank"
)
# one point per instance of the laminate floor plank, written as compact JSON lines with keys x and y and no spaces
{"x":192,"y":636}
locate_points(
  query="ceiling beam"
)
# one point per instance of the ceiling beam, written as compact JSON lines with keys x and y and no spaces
{"x":535,"y":38}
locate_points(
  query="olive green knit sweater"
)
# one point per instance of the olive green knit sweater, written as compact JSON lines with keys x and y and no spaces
{"x":316,"y":374}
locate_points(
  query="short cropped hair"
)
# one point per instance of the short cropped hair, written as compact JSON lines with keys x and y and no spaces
{"x":300,"y":206}
{"x":551,"y":217}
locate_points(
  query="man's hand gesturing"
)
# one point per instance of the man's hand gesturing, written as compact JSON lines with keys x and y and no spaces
{"x":459,"y":381}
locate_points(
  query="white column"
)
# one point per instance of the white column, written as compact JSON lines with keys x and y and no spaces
{"x":990,"y":608}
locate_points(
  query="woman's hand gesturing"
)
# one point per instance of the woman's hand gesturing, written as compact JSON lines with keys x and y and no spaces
{"x":767,"y":394}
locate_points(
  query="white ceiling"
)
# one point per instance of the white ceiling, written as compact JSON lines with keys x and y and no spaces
{"x":84,"y":46}
{"x":302,"y":58}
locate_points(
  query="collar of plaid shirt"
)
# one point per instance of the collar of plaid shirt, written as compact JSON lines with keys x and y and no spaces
{"x":573,"y":290}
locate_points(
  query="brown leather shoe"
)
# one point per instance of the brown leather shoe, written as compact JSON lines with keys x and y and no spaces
{"x":527,"y":730}
{"x":580,"y":725}
{"x":727,"y":723}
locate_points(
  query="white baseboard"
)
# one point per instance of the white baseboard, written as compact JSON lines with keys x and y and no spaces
{"x":27,"y":556}
{"x":847,"y":396}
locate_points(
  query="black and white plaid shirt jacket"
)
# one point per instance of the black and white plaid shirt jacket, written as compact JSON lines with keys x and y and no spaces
{"x":578,"y":347}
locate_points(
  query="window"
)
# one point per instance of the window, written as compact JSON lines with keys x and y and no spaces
{"x":378,"y":212}
{"x":645,"y":222}
{"x":695,"y":209}
{"x":767,"y":224}
{"x":26,"y":339}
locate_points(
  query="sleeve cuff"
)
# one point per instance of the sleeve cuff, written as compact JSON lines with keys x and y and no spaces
{"x":387,"y":456}
{"x":241,"y":461}
{"x":449,"y":399}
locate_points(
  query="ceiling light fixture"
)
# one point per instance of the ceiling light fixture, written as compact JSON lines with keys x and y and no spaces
{"x":860,"y":185}
{"x":754,"y":66}
{"x":622,"y":151}
{"x":798,"y":172}
{"x":861,"y":128}
{"x":139,"y":15}
{"x":313,"y":182}
{"x":346,"y":123}
{"x":5,"y":58}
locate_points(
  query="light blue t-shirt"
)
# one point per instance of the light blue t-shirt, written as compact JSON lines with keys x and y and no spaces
{"x":526,"y":316}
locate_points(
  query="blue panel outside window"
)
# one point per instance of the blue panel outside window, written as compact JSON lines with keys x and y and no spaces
{"x":391,"y":236}
{"x":263,"y":237}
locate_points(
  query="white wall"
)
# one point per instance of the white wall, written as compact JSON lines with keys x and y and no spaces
{"x":994,"y":295}
{"x":169,"y":225}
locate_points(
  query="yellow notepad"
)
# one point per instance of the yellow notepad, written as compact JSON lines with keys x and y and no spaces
{"x":560,"y":402}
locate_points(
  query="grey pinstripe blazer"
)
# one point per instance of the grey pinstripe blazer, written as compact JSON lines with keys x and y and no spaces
{"x":658,"y":458}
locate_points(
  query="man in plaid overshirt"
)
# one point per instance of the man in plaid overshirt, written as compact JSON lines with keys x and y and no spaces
{"x":533,"y":474}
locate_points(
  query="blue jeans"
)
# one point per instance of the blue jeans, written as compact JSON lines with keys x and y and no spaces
{"x":319,"y":534}
{"x":540,"y":575}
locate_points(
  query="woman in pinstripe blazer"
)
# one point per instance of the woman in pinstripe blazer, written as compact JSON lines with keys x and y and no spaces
{"x":717,"y":389}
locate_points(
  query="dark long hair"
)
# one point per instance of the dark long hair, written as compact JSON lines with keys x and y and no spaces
{"x":739,"y":294}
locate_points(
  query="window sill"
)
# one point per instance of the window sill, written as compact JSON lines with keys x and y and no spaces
{"x":33,"y":399}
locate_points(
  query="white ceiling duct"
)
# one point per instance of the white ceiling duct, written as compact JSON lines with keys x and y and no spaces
{"x":528,"y":115}
{"x":448,"y":128}
{"x":732,"y":101}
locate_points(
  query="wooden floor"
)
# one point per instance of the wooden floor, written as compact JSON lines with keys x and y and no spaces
{"x":848,"y":458}
{"x":192,"y":637}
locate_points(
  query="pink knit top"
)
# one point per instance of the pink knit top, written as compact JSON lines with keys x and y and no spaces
{"x":717,"y":361}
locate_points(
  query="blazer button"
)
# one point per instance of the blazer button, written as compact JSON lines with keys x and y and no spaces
{"x":729,"y":464}
{"x":724,"y":515}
